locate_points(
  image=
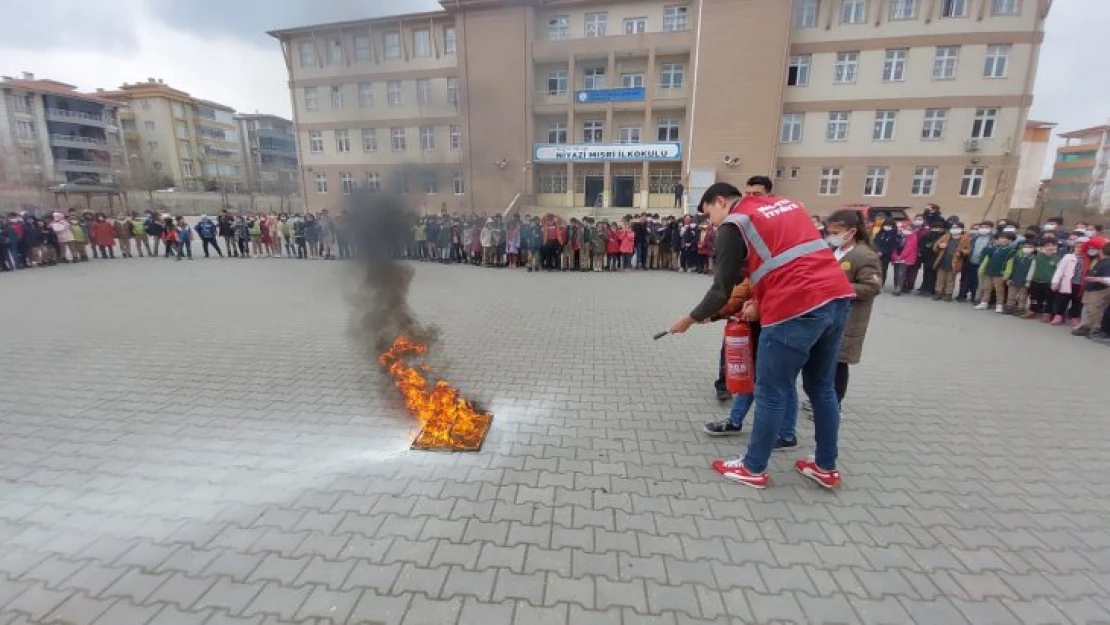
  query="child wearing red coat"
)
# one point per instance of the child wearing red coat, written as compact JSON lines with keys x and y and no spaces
{"x":613,"y":247}
{"x":103,"y":235}
{"x":628,"y":245}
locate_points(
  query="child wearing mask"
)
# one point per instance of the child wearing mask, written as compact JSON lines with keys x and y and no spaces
{"x":1096,"y":293}
{"x":951,"y":251}
{"x":1019,"y":272}
{"x":1041,"y":277}
{"x":103,"y":235}
{"x":1067,"y":287}
{"x":992,"y":282}
{"x":904,"y":257}
{"x":969,"y":280}
{"x":848,"y":238}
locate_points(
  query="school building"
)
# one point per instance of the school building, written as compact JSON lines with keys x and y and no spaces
{"x":576,"y":106}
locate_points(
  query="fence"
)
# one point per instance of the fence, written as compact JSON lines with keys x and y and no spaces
{"x":177,"y":203}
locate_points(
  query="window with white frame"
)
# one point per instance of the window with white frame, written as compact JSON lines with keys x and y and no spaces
{"x":953,"y":8}
{"x":452,"y":90}
{"x":424,"y":91}
{"x":924,"y":181}
{"x":557,"y":82}
{"x":558,"y":27}
{"x":149,"y":125}
{"x":846,"y":68}
{"x":421,"y":42}
{"x":393,"y":93}
{"x":593,"y":131}
{"x":397,"y":141}
{"x":373,"y":182}
{"x":884,"y":125}
{"x":998,"y":58}
{"x":428,"y":138}
{"x":553,"y":180}
{"x":392,"y":45}
{"x":874,"y":184}
{"x":450,"y":40}
{"x":321,"y":184}
{"x":400,"y":182}
{"x":308,"y":53}
{"x":557,"y":132}
{"x":853,"y":11}
{"x":838,"y":125}
{"x":144,"y":104}
{"x":672,"y":75}
{"x":362,"y":47}
{"x":903,"y":9}
{"x":635,"y":25}
{"x":971,"y":184}
{"x":894,"y":65}
{"x":633,"y":80}
{"x":669,"y":128}
{"x":346,"y":182}
{"x":594,"y":78}
{"x":455,"y":136}
{"x":335,"y":52}
{"x":182,"y":130}
{"x":178,"y":110}
{"x":1005,"y":7}
{"x":982,"y":127}
{"x":805,"y":13}
{"x":458,"y":183}
{"x":310,"y":98}
{"x":316,"y":141}
{"x":184,"y":151}
{"x":596,"y":23}
{"x":945,"y":62}
{"x":369,"y":140}
{"x":790,"y":130}
{"x":935,"y":122}
{"x":829,"y":183}
{"x":337,"y":96}
{"x":365,"y":95}
{"x":797,"y":74}
{"x":674,"y":18}
{"x":431,"y":183}
{"x":342,"y":141}
{"x":628,"y":134}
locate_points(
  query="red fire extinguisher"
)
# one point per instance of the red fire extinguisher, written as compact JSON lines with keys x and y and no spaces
{"x":739,"y":369}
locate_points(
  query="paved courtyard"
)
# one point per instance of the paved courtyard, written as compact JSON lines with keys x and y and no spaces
{"x":204,"y":443}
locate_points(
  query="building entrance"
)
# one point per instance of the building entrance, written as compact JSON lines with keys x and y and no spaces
{"x":624,"y":191}
{"x":595,"y":187}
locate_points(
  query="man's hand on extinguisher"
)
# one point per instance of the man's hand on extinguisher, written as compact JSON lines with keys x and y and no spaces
{"x":750,"y":311}
{"x":682,"y":325}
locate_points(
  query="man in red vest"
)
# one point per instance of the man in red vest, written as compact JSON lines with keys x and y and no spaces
{"x":801,"y":298}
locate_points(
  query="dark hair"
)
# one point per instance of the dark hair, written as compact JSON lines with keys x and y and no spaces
{"x":851,"y":219}
{"x":718,"y":190}
{"x":1098,"y":227}
{"x":762,"y":181}
{"x":1009,"y":236}
{"x":988,"y":223}
{"x":1106,"y":248}
{"x":1059,"y":221}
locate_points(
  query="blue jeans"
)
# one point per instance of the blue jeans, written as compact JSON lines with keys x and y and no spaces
{"x":741,"y":404}
{"x":810,"y":345}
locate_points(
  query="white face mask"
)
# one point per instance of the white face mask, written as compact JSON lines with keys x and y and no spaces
{"x":1027,"y":250}
{"x":918,"y":222}
{"x":1049,"y":227}
{"x":984,"y":230}
{"x":888,"y":228}
{"x":1092,"y":252}
{"x":956,"y":231}
{"x":1009,"y":229}
{"x":835,"y":240}
{"x":1091,"y":233}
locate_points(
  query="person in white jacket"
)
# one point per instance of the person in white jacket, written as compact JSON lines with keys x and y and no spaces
{"x":1067,"y":292}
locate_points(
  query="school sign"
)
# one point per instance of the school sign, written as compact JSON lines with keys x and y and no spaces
{"x":607,"y":152}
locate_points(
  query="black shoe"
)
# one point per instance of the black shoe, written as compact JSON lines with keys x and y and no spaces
{"x":1098,"y":336}
{"x":722,"y":428}
{"x":785,"y":443}
{"x":1081,"y":331}
{"x":723,"y":394}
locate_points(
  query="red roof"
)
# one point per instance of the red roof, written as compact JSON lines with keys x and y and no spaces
{"x":54,"y":87}
{"x":1084,"y":132}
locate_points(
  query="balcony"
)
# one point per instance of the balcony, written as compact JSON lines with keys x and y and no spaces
{"x":668,"y":42}
{"x":669,"y":96}
{"x":71,"y":141}
{"x":546,"y":102}
{"x":77,"y":117}
{"x":91,"y":167}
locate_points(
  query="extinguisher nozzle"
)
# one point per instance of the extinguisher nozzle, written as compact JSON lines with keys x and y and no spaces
{"x":660,"y":335}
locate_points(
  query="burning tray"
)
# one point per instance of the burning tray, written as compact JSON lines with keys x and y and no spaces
{"x":461,"y":437}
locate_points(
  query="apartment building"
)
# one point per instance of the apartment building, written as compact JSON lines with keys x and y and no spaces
{"x":269,"y":153}
{"x":194,"y":143}
{"x":1079,"y":171}
{"x":50,"y":133}
{"x":607,"y":104}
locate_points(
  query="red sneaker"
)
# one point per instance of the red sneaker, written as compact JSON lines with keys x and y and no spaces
{"x":809,"y":468}
{"x":736,"y":471}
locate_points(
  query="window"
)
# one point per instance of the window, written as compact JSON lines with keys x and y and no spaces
{"x":805,"y":13}
{"x":335,"y":52}
{"x":944,"y":63}
{"x":672,"y":75}
{"x":558,"y":27}
{"x":632,"y":80}
{"x":149,"y":125}
{"x":346,"y":182}
{"x":935,"y":121}
{"x":456,"y":137}
{"x":184,"y":150}
{"x":593,"y":131}
{"x":421,"y":43}
{"x":428,"y":138}
{"x":669,"y":128}
{"x":397,"y":140}
{"x":596,"y":23}
{"x":393,"y":45}
{"x":373,"y":182}
{"x":983,"y":126}
{"x":152,"y":146}
{"x":369,"y":140}
{"x":853,"y":11}
{"x":830,"y":181}
{"x":846,"y":67}
{"x":971,"y":185}
{"x":365,"y":95}
{"x":187,"y":169}
{"x":178,"y":110}
{"x":181,"y":129}
{"x":321,"y":183}
{"x":798,"y":73}
{"x":998,"y":57}
{"x":557,"y":82}
{"x":674,"y":18}
{"x":884,"y":125}
{"x":1005,"y":7}
{"x":795,"y":173}
{"x":628,"y":134}
{"x":342,"y":141}
{"x":894,"y":65}
{"x":595,"y":78}
{"x":458,"y":183}
{"x":903,"y":9}
{"x":393,"y":93}
{"x":431,"y":185}
{"x":310,"y":98}
{"x":25,"y":129}
{"x":316,"y":141}
{"x":635,"y":25}
{"x":158,"y":166}
{"x":924,"y":179}
{"x":953,"y":8}
{"x":400,"y":182}
{"x":452,"y":90}
{"x":553,"y":181}
{"x":450,"y":40}
{"x":308,"y":53}
{"x":362,"y":48}
{"x":337,"y":96}
{"x":144,"y":104}
{"x":557,"y":132}
{"x":791,"y":129}
{"x":424,"y":91}
{"x":875,"y":182}
{"x":838,"y":125}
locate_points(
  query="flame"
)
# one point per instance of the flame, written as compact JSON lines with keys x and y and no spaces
{"x":447,"y":421}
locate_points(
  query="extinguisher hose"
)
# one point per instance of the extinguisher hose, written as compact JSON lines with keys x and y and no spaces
{"x":660,"y":335}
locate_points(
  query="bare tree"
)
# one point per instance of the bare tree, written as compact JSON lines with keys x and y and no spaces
{"x":144,"y":176}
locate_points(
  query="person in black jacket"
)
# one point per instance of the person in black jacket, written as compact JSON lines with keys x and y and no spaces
{"x":225,"y":228}
{"x":154,"y":229}
{"x":928,"y":256}
{"x":676,"y":244}
{"x":639,"y":229}
{"x":887,"y":242}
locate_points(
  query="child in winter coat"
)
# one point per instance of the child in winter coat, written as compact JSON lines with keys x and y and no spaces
{"x":80,"y":238}
{"x":613,"y":247}
{"x":103,"y":235}
{"x":992,"y":270}
{"x":1041,"y":275}
{"x":1018,"y":274}
{"x":243,"y":237}
{"x":1067,"y":290}
{"x":628,"y":245}
{"x":903,"y":257}
{"x":169,"y":237}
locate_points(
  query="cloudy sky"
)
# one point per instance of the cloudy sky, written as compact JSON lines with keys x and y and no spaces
{"x":218,"y":49}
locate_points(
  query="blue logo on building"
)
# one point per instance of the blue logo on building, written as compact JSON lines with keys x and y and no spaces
{"x":624,"y":94}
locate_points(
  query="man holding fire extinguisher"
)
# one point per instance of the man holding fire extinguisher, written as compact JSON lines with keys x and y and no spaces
{"x":801,"y":298}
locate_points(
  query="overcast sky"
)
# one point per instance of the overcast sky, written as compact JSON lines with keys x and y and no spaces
{"x":218,"y":49}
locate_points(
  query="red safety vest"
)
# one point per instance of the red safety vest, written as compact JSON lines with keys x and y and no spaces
{"x":791,"y":268}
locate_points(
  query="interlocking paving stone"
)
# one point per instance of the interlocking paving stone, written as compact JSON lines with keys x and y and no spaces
{"x":231,"y":456}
